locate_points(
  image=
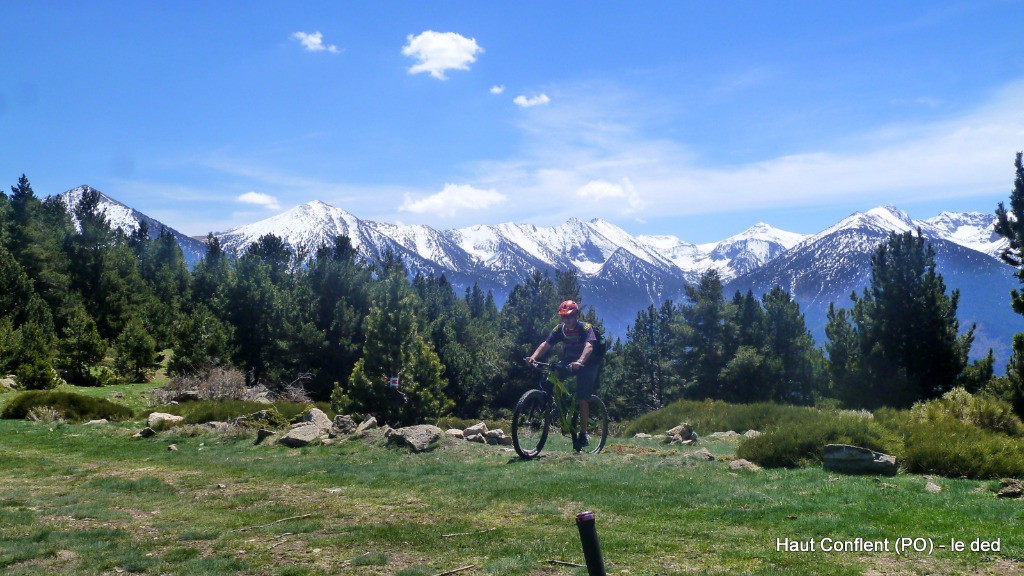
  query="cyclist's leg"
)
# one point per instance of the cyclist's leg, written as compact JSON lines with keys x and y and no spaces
{"x":586,"y":380}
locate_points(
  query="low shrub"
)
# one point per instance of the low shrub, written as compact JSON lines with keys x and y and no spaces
{"x":716,"y":416}
{"x":202,"y":411}
{"x":72,"y":407}
{"x":981,"y":410}
{"x":798,"y":442}
{"x":953,"y":448}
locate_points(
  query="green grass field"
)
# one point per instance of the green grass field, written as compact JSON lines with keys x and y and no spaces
{"x":77,"y":499}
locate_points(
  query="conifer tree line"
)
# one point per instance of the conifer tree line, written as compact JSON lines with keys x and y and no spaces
{"x":92,"y":306}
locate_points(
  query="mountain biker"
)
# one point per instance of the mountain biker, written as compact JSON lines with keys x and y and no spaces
{"x":578,"y":340}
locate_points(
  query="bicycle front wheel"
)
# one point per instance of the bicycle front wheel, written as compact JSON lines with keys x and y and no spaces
{"x":530,"y":423}
{"x":597,"y":425}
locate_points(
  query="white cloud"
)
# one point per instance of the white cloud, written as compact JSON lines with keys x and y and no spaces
{"x":314,"y":42}
{"x":602,"y":190}
{"x":440,"y":51}
{"x":260,"y":199}
{"x":589,"y":149}
{"x":497,"y":89}
{"x":534,"y":101}
{"x":453,"y":198}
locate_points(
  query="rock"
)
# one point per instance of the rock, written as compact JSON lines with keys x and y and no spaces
{"x":163,"y":421}
{"x":751,"y":434}
{"x":369,"y":424}
{"x":642,"y":436}
{"x":100,"y":421}
{"x":8,"y":383}
{"x":220,"y":427}
{"x":478,"y":428}
{"x":456,"y":433}
{"x":742,"y":464}
{"x":419,"y":437}
{"x":262,"y":434}
{"x":1010,"y":488}
{"x":701,"y":454}
{"x":932,"y":487}
{"x":263,"y":400}
{"x":476,"y":438}
{"x":728,"y":435}
{"x":505,"y":441}
{"x":172,"y":448}
{"x":344,"y":425}
{"x":300,"y":435}
{"x":497,"y":434}
{"x":187,"y":396}
{"x":684,"y":430}
{"x":145,"y":433}
{"x":318,"y":417}
{"x":856,"y":460}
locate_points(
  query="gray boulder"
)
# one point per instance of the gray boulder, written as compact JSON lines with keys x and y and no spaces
{"x":456,"y":433}
{"x":163,"y":421}
{"x":262,"y":434}
{"x":419,"y":438}
{"x":1010,"y":488}
{"x":856,"y":460}
{"x":343,"y":425}
{"x":8,"y":383}
{"x":742,"y":464}
{"x":478,"y":428}
{"x":317,"y":417}
{"x":300,"y":435}
{"x":701,"y":454}
{"x":369,"y":424}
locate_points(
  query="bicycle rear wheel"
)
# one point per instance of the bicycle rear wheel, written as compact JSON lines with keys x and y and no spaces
{"x":530,"y":423}
{"x":597,"y":426}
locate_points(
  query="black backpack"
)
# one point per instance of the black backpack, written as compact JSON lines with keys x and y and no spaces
{"x":601,"y":346}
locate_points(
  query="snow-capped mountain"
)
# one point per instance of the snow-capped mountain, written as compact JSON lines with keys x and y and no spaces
{"x":827,"y":267}
{"x":731,"y":257}
{"x":974,"y":230}
{"x":128,"y":220}
{"x":621,"y":274}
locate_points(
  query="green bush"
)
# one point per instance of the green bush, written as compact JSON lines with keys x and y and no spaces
{"x":71,"y":406}
{"x":37,"y":375}
{"x":953,"y":448}
{"x":981,"y":410}
{"x":202,"y":411}
{"x":794,"y":442}
{"x":716,"y":416}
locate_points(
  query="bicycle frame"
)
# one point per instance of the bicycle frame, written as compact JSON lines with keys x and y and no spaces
{"x":565,"y":402}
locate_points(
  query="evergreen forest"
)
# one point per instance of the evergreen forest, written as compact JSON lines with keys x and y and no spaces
{"x":86,"y":304}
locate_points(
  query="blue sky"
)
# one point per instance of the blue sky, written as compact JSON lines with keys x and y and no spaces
{"x":696,"y":119}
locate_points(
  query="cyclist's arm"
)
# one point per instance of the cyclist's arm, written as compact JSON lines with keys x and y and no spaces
{"x":540,"y":352}
{"x":588,"y":349}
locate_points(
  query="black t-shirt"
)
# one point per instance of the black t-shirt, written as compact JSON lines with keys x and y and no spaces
{"x":575,"y":340}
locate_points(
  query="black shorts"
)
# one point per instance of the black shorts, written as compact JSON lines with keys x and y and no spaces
{"x":586,"y":380}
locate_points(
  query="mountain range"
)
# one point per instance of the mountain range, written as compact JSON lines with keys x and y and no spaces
{"x":621,"y":274}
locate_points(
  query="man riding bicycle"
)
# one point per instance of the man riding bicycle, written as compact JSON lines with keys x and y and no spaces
{"x":578,"y":340}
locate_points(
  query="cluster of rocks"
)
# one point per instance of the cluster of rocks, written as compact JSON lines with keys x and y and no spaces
{"x":684,"y":434}
{"x":479,"y":433}
{"x":1010,"y":488}
{"x":8,"y":383}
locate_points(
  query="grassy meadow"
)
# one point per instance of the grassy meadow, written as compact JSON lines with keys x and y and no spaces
{"x":91,"y":499}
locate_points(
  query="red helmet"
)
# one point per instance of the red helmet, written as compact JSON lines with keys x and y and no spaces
{"x":569,"y":308}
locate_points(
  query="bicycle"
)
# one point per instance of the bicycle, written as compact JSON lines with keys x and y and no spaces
{"x":552,"y":402}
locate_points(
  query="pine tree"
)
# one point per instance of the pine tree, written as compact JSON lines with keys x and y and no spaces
{"x":135,"y":351}
{"x":201,"y":341}
{"x":705,"y":316}
{"x":843,"y":356}
{"x":790,"y":346}
{"x":81,"y":348}
{"x":395,"y":349}
{"x":907,"y":330}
